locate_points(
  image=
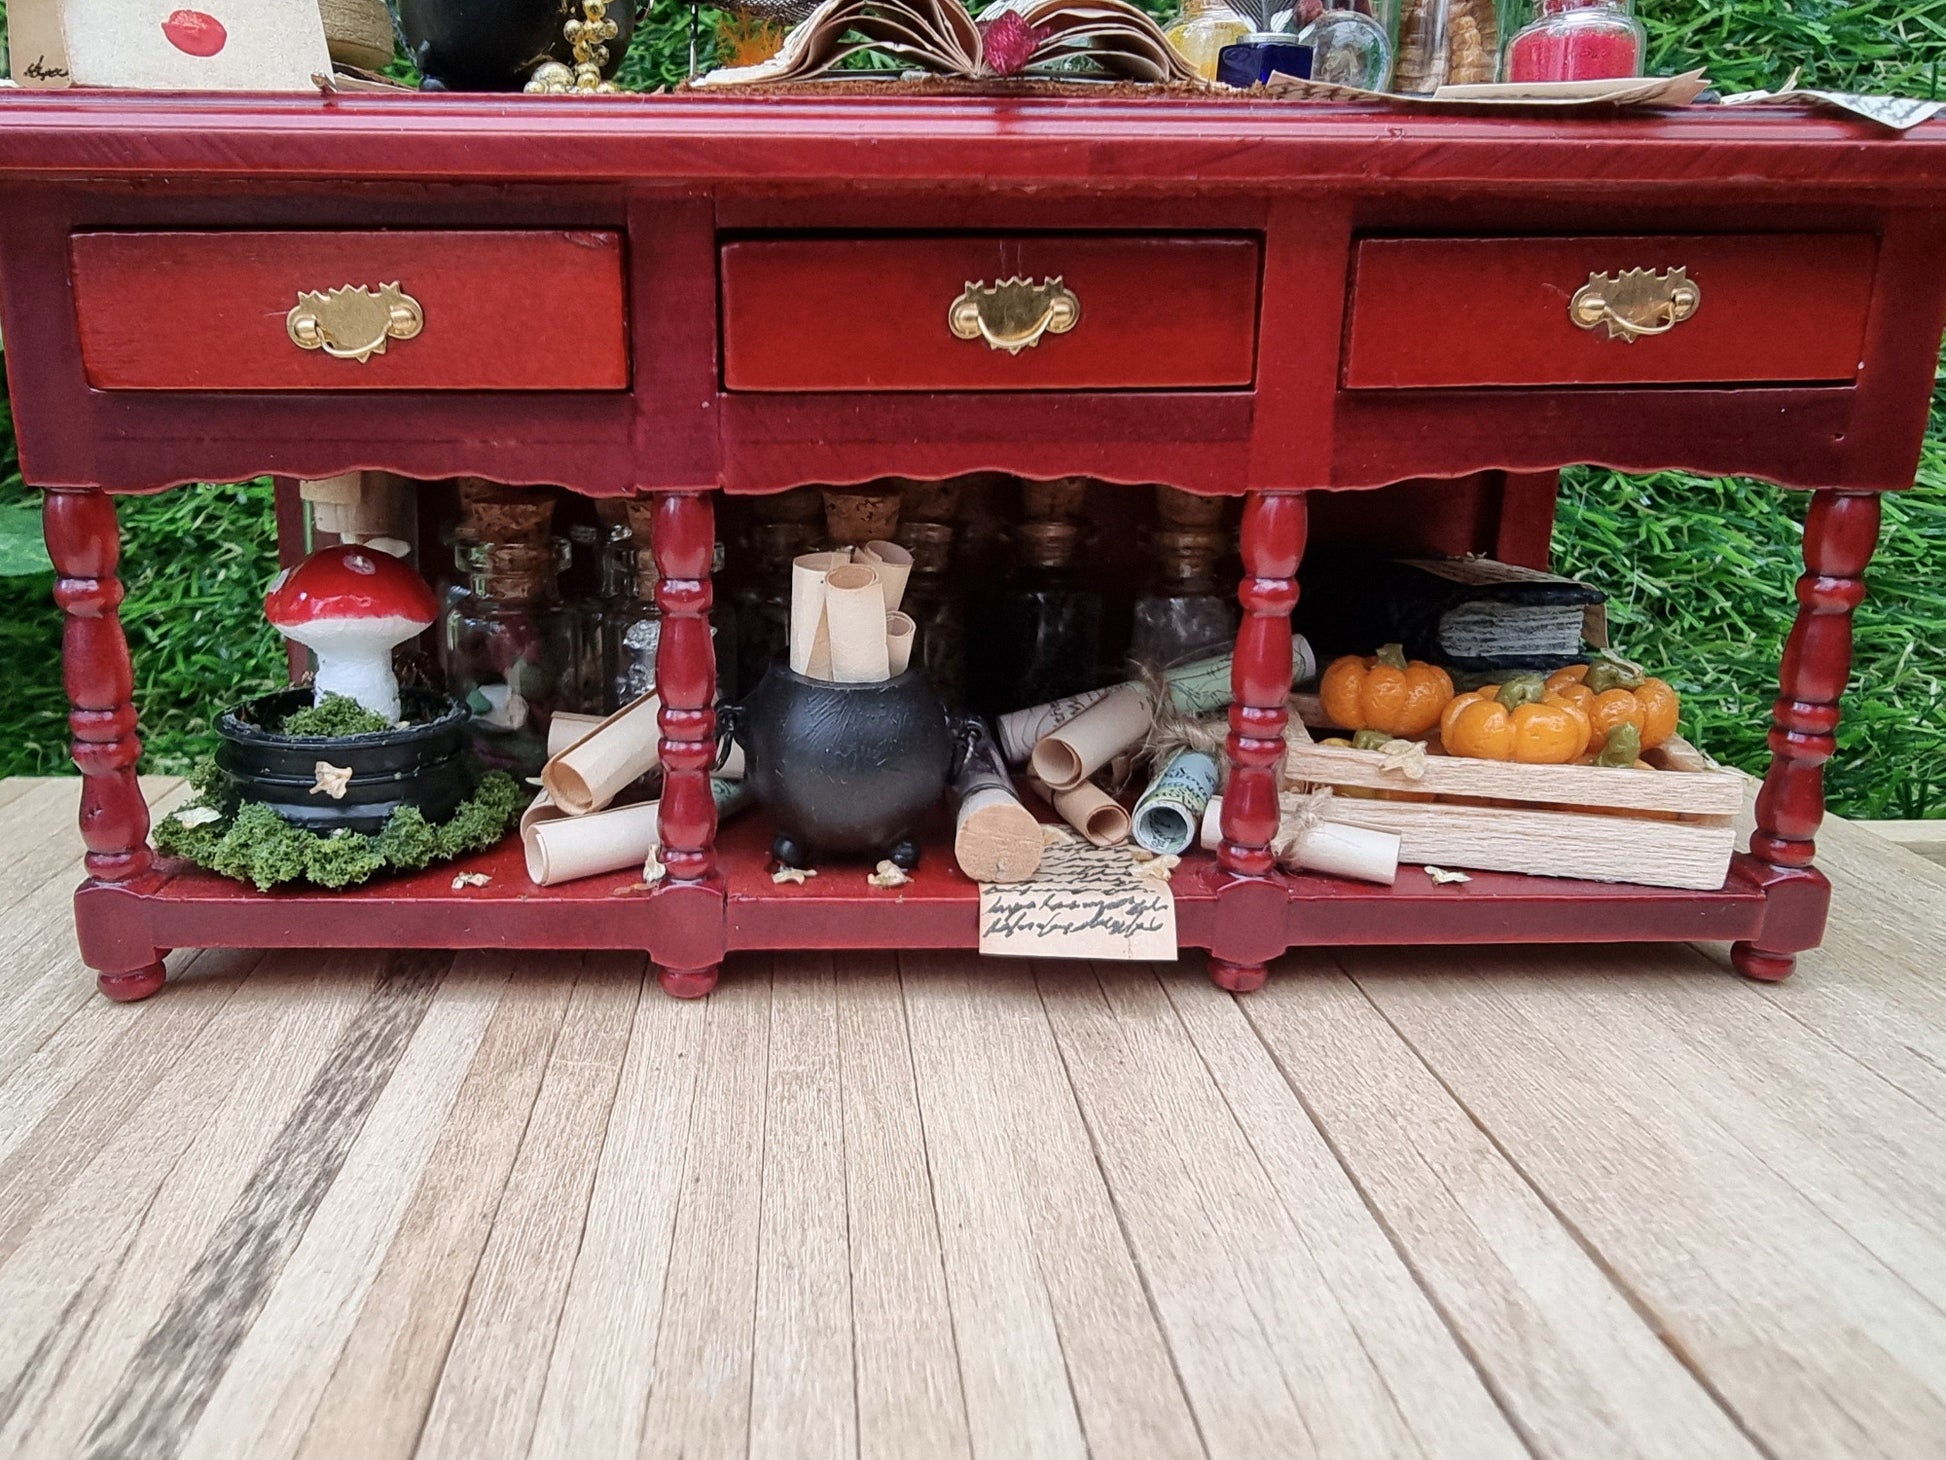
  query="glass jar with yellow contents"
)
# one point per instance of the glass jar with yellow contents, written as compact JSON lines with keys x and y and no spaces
{"x":1201,"y":32}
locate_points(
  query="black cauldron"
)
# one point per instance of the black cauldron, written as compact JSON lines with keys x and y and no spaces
{"x":494,"y":45}
{"x":424,"y":765}
{"x":846,"y":769}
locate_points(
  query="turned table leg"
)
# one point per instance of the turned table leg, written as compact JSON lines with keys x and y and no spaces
{"x":1272,"y":544}
{"x":85,"y":544}
{"x":1840,"y":532}
{"x":685,"y":666}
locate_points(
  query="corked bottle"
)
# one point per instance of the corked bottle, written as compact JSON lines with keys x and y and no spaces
{"x":511,"y":649}
{"x":632,"y":631}
{"x":932,"y":600}
{"x":1446,"y":43}
{"x":1183,"y":614}
{"x":1040,"y":634}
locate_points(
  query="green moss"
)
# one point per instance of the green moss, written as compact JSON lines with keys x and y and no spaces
{"x":258,"y":846}
{"x":332,"y":716}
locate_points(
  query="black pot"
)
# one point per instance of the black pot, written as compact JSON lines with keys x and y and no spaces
{"x":494,"y":45}
{"x":424,"y":765}
{"x":846,"y":769}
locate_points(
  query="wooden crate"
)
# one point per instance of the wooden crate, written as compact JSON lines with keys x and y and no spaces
{"x":1669,"y":827}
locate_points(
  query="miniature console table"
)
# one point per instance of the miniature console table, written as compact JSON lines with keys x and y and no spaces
{"x":688,"y":296}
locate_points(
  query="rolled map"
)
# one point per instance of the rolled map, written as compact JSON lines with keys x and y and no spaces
{"x":1168,"y":813}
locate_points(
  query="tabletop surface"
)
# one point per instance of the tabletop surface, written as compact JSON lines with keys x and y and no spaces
{"x":1444,"y":1202}
{"x":811,"y":137}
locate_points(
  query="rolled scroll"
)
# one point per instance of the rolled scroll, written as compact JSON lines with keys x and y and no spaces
{"x":893,"y":564}
{"x":995,"y":837}
{"x":1196,"y":689}
{"x":854,"y":613}
{"x":810,"y":639}
{"x":1021,"y":731}
{"x":1329,"y":847}
{"x":901,"y":633}
{"x":1066,"y":756}
{"x":613,"y":756}
{"x":565,"y":728}
{"x":1090,"y":810}
{"x":562,"y":848}
{"x":1168,"y":814}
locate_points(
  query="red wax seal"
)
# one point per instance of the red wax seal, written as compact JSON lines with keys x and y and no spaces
{"x":195,"y":33}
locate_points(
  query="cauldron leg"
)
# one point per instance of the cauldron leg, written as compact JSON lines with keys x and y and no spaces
{"x":789,"y":853}
{"x":904,"y":855}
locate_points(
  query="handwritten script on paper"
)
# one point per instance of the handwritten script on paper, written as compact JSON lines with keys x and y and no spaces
{"x":1085,"y":902}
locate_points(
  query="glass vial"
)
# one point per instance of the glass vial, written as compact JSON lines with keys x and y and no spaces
{"x":511,"y":651}
{"x":1183,"y":614}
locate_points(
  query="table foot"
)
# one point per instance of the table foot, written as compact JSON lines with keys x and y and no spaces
{"x":127,"y":988}
{"x":1237,"y":978}
{"x":1756,"y":963}
{"x":687,"y":983}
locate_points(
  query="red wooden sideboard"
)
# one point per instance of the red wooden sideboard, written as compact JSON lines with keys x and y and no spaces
{"x":691,"y":296}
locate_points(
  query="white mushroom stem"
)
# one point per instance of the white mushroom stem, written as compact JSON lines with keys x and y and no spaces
{"x":355,"y":658}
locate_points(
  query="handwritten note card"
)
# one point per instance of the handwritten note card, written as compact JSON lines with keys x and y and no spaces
{"x":1085,"y":902}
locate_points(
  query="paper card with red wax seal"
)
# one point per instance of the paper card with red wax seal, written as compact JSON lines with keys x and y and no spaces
{"x":166,"y":45}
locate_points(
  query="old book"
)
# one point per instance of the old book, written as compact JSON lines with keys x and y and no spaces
{"x":1465,"y":613}
{"x":1007,"y":39}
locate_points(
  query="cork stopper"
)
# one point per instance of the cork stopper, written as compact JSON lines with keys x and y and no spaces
{"x":1060,"y":500}
{"x":1048,"y":544}
{"x":494,"y":512}
{"x":930,"y":543}
{"x":641,"y":518}
{"x":1188,"y":554}
{"x":1179,"y":509}
{"x":929,"y":501}
{"x":854,"y":515}
{"x":514,"y":572}
{"x":801,"y":505}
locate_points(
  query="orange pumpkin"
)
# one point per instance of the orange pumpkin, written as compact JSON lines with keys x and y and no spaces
{"x":1383,"y":691}
{"x":1610,"y":695}
{"x":1516,"y":721}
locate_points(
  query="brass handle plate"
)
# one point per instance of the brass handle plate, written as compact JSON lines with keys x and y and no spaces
{"x":1013,"y":314}
{"x":1637,"y":303}
{"x":352,"y":322}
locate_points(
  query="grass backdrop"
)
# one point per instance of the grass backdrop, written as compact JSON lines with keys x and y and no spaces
{"x":1699,"y":569}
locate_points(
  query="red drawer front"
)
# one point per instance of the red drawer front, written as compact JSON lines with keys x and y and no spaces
{"x":209,"y":311}
{"x":871,"y":314}
{"x":1495,"y":311}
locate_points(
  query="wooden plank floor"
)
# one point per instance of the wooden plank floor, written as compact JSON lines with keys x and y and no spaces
{"x":1482,"y":1203}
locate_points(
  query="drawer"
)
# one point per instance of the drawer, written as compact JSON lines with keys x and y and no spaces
{"x":1090,"y":312}
{"x":1501,"y":311}
{"x":378,"y":310}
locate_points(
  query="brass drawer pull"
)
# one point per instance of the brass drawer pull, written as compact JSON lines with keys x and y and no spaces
{"x":352,"y":322}
{"x":1639,"y":302}
{"x":1013,"y":314}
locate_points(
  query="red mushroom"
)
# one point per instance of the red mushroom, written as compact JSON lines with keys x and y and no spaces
{"x":350,"y":605}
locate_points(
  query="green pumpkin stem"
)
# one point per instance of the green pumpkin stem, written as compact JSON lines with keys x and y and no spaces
{"x":1522,"y":689}
{"x":1622,"y":748}
{"x":1392,"y":656}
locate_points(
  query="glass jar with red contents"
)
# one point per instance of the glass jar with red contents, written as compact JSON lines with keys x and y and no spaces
{"x":1578,"y":40}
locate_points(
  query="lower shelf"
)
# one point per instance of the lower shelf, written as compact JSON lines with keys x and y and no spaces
{"x":177,"y":906}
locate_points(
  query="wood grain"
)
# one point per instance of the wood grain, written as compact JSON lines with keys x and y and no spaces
{"x":909,"y":1396}
{"x":1552,"y":1201}
{"x":490,"y":1387}
{"x":1442,"y":312}
{"x":503,"y":310}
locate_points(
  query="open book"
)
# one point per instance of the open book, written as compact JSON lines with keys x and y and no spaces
{"x":940,"y":36}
